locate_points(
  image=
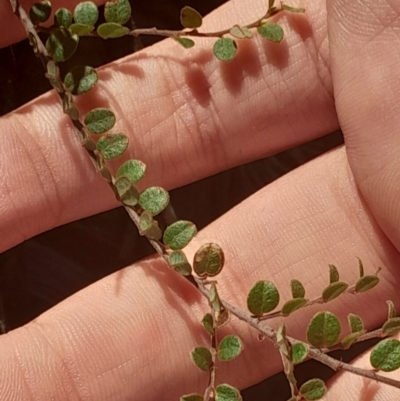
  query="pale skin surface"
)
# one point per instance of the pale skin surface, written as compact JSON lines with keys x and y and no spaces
{"x":113,"y":341}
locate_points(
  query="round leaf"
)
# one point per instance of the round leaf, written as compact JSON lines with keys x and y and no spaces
{"x":292,"y":305}
{"x":323,"y":330}
{"x":100,"y":120}
{"x":201,"y":356}
{"x":61,"y":44}
{"x":179,"y":262}
{"x":208,"y":260}
{"x":225,"y":392}
{"x":190,"y":18}
{"x":297,"y":288}
{"x":179,"y":234}
{"x":63,"y":17}
{"x":80,"y":80}
{"x":118,"y":11}
{"x":299,"y":352}
{"x":313,"y":389}
{"x":81,"y":29}
{"x":127,"y":192}
{"x":86,"y":13}
{"x":271,"y":32}
{"x":149,"y":227}
{"x":355,"y":323}
{"x":112,"y":30}
{"x":40,"y":12}
{"x":229,"y":348}
{"x":349,"y":340}
{"x":365,"y":283}
{"x":225,"y":49}
{"x":185,"y":42}
{"x":334,"y":290}
{"x":386,"y":355}
{"x":192,"y":397}
{"x":134,"y":169}
{"x":208,"y":323}
{"x":241,"y":32}
{"x":112,"y":146}
{"x":262,"y":298}
{"x":154,"y":200}
{"x":391,"y":326}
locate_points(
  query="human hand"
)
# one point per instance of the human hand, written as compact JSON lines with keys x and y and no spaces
{"x":108,"y":344}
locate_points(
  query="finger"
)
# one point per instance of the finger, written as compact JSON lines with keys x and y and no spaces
{"x":365,"y":54}
{"x":187,"y":116}
{"x":129,"y":335}
{"x":12,"y":29}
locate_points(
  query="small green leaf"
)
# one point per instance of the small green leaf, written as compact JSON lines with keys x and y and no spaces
{"x":53,"y":75}
{"x":134,"y":169}
{"x":179,"y":262}
{"x":61,"y":44}
{"x":201,"y":356}
{"x":222,"y":315}
{"x":225,"y":49}
{"x":334,"y":290}
{"x":297,"y":288}
{"x":80,"y":80}
{"x":127,"y":192}
{"x":208,"y":323}
{"x":293,"y":9}
{"x":349,"y":340}
{"x":391,"y":309}
{"x":81,"y":29}
{"x":386,"y":355}
{"x":179,"y":234}
{"x":313,"y":389}
{"x":333,"y":274}
{"x":112,"y":30}
{"x":208,"y":260}
{"x":154,"y":200}
{"x":299,"y":352}
{"x":63,"y":17}
{"x":365,"y":283}
{"x":271,"y":32}
{"x":149,"y":227}
{"x":185,"y":42}
{"x":229,"y":348}
{"x":391,"y":326}
{"x":323,"y":330}
{"x":360,"y":267}
{"x":192,"y":397}
{"x":292,"y":305}
{"x":86,"y":13}
{"x":190,"y":18}
{"x":112,"y":146}
{"x":225,"y":392}
{"x":241,"y":32}
{"x":40,"y":12}
{"x":262,"y":298}
{"x":355,"y":323}
{"x":118,"y":11}
{"x":100,"y":120}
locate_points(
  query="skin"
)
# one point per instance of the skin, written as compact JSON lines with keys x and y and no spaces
{"x":127,"y":337}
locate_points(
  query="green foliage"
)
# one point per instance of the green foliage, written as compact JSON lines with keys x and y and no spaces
{"x":360,"y":267}
{"x":185,"y":42}
{"x":192,"y":397}
{"x":355,"y":323}
{"x":86,"y":13}
{"x":62,"y":44}
{"x":81,"y":29}
{"x":271,"y":32}
{"x":222,"y":315}
{"x":149,"y":227}
{"x":208,"y":323}
{"x":391,"y":309}
{"x":63,"y":17}
{"x":179,"y":262}
{"x":80,"y":80}
{"x":208,"y":260}
{"x":225,"y":49}
{"x":127,"y":192}
{"x":292,"y":305}
{"x":241,"y":32}
{"x":40,"y":12}
{"x":179,"y":234}
{"x":334,"y":290}
{"x":100,"y":120}
{"x":323,"y":330}
{"x":118,"y":11}
{"x":313,"y":389}
{"x":190,"y":18}
{"x":112,"y":146}
{"x":391,"y":326}
{"x":112,"y":30}
{"x":229,"y":348}
{"x":365,"y":283}
{"x":262,"y":298}
{"x":333,"y":274}
{"x":297,"y":289}
{"x":154,"y":200}
{"x":349,"y":340}
{"x":202,"y":357}
{"x":134,"y":169}
{"x":293,"y":9}
{"x":386,"y":355}
{"x":226,"y":392}
{"x":299,"y":352}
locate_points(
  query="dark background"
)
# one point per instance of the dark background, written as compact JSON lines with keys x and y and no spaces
{"x":43,"y":271}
